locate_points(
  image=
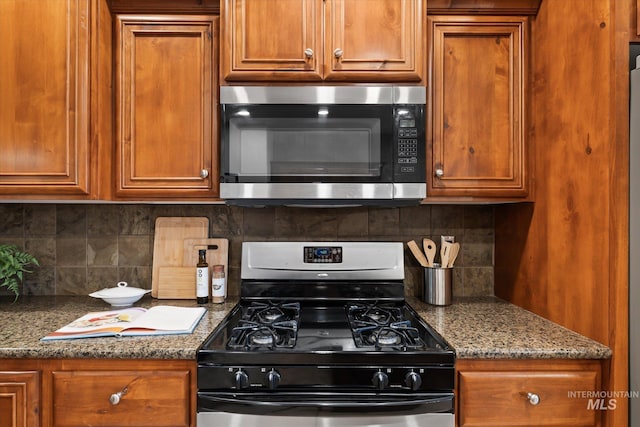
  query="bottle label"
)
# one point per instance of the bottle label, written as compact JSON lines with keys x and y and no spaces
{"x":202,"y":282}
{"x":218,"y":287}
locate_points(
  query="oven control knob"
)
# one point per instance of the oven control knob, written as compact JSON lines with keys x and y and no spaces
{"x":242,"y":379}
{"x":273,"y":379}
{"x":380,"y":380}
{"x":413,"y":380}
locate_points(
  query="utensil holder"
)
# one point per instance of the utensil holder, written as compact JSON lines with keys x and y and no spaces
{"x":437,"y":285}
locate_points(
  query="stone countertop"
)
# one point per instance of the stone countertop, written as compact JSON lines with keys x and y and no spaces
{"x":29,"y":319}
{"x":491,"y":328}
{"x":477,"y":328}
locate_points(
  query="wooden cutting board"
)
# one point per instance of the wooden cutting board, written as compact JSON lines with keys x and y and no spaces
{"x":217,"y":251}
{"x":180,"y":282}
{"x":168,"y":243}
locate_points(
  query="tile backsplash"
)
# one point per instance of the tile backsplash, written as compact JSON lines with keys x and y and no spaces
{"x":86,"y":247}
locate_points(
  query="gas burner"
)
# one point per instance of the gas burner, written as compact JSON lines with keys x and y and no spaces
{"x":270,"y":312}
{"x":379,"y":314}
{"x":262,"y":338}
{"x":266,"y":326}
{"x":270,"y":315}
{"x":387,"y":337}
{"x":383,"y":327}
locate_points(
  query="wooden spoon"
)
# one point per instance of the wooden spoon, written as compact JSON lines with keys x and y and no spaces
{"x":453,"y":253}
{"x":417,"y":253}
{"x":429,"y":250}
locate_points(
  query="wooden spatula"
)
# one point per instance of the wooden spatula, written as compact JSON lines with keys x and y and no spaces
{"x":453,"y":253}
{"x":417,"y":253}
{"x":429,"y":247}
{"x":445,"y":252}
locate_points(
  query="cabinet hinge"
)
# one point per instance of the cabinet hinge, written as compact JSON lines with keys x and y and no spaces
{"x":209,"y":35}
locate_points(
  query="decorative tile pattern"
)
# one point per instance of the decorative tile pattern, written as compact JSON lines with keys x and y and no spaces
{"x":71,"y":220}
{"x":103,"y":220}
{"x":40,"y":220}
{"x":76,"y":244}
{"x":11,"y":220}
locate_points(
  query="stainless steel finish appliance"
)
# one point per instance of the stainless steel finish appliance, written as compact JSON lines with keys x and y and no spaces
{"x":322,"y":336}
{"x":323,"y":145}
{"x":634,"y":244}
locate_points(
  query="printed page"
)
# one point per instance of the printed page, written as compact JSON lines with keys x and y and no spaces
{"x":169,"y":318}
{"x":98,"y":323}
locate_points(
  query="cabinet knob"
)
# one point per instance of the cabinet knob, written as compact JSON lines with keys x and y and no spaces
{"x":533,"y":398}
{"x":338,"y":53}
{"x":115,"y":398}
{"x":308,"y":53}
{"x":204,"y":173}
{"x":439,"y":173}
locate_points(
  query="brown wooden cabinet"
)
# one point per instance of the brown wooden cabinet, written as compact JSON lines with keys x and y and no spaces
{"x":476,"y":136}
{"x":158,"y":397}
{"x":97,"y":392}
{"x":528,"y":393}
{"x":20,"y":398}
{"x":313,"y":40}
{"x":44,"y":107}
{"x":166,"y":106}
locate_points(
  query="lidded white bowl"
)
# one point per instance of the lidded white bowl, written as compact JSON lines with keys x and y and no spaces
{"x":120,"y":296}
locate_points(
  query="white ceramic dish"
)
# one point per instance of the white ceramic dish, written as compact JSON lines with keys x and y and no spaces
{"x":120,"y":296}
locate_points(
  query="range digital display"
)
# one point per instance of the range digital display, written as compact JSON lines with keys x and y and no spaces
{"x":323,"y":254}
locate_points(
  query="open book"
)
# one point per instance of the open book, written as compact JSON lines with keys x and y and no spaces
{"x":158,"y":320}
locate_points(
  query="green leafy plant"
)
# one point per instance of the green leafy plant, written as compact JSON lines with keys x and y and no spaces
{"x":13,"y":265}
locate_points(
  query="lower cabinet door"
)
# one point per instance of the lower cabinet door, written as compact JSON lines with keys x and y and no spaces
{"x":20,"y":399}
{"x":121,"y":398}
{"x":528,"y":398}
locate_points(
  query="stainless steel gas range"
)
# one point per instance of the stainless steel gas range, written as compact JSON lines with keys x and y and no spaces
{"x":322,"y":336}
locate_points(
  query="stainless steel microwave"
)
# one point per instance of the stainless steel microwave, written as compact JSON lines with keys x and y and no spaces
{"x":323,"y":145}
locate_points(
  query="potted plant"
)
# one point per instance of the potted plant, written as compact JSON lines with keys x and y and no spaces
{"x":13,"y":265}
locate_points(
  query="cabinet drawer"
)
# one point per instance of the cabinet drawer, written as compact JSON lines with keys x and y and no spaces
{"x":501,"y":398}
{"x":149,"y":398}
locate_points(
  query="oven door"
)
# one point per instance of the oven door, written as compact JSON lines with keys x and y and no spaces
{"x":306,"y":409}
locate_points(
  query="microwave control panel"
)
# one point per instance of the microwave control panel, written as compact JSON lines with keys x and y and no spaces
{"x":407,"y":134}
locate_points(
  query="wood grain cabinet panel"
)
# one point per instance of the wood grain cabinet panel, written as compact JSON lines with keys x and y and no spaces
{"x":20,"y":399}
{"x":523,"y":394}
{"x":478,"y":145}
{"x":314,"y":40}
{"x":271,"y":40}
{"x":122,"y":398}
{"x":381,"y":40}
{"x":166,"y":106}
{"x":44,"y":106}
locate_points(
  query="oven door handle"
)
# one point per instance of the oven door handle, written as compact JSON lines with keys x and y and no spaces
{"x":428,"y":404}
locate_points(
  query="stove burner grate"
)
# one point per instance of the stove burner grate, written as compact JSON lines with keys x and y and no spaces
{"x":266,"y":326}
{"x":383,"y":327}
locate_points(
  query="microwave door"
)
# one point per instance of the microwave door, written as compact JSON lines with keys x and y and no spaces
{"x":293,"y":143}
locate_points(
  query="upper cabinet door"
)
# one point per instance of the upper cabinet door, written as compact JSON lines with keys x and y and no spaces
{"x":44,"y":106}
{"x":478,"y":114}
{"x":271,"y":40}
{"x":313,"y":40}
{"x":374,"y":40}
{"x":166,"y":106}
